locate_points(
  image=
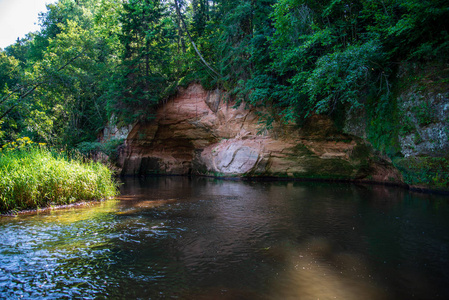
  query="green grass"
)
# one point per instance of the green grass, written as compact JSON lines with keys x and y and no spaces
{"x":36,"y":177}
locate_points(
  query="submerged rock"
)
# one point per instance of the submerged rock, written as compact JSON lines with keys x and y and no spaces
{"x":199,"y":132}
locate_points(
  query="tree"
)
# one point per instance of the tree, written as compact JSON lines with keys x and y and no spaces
{"x":58,"y":98}
{"x":146,"y":74}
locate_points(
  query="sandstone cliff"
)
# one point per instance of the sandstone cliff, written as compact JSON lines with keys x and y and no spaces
{"x":199,"y":132}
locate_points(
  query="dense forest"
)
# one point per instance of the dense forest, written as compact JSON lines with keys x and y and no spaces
{"x":93,"y":59}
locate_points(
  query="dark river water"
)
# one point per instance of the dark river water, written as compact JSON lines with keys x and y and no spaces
{"x":201,"y":238}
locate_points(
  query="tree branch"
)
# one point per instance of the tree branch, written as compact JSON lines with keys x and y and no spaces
{"x":25,"y":94}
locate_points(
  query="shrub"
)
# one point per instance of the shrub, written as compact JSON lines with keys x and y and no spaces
{"x":109,"y":147}
{"x":432,"y":172}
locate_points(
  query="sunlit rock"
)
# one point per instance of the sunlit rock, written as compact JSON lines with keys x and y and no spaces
{"x":203,"y":132}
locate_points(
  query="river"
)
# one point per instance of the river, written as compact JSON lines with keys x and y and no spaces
{"x":203,"y":238}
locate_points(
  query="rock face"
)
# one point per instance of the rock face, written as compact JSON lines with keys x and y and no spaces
{"x":426,"y":118}
{"x":199,"y":132}
{"x":413,"y":127}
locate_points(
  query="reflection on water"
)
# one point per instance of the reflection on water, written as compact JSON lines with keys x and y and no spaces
{"x":183,"y":238}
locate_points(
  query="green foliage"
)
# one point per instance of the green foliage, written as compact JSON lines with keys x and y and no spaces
{"x":109,"y":147}
{"x":93,"y":59}
{"x":425,"y":171}
{"x":234,"y":42}
{"x":417,"y":139}
{"x":419,"y":31}
{"x":89,"y":148}
{"x":424,"y":113}
{"x":382,"y":124}
{"x":341,"y":77}
{"x":145,"y":76}
{"x":9,"y":72}
{"x":33,"y":177}
{"x":20,"y":144}
{"x":67,"y":67}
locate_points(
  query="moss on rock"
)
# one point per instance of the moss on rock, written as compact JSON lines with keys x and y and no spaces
{"x":425,"y":171}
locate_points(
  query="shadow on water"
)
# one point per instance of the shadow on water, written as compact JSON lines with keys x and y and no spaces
{"x":202,"y":238}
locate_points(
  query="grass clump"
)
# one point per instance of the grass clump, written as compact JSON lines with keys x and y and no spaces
{"x":32,"y":177}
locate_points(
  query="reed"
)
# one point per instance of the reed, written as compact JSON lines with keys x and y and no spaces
{"x":34,"y":177}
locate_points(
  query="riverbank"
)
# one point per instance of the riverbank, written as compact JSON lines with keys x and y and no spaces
{"x":403,"y":186}
{"x":36,"y":177}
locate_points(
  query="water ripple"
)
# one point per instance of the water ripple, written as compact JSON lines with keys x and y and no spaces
{"x":206,"y":239}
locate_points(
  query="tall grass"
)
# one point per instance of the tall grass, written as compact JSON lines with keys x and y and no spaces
{"x":36,"y":177}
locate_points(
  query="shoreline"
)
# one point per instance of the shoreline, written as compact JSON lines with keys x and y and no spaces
{"x":411,"y":188}
{"x":13,"y":214}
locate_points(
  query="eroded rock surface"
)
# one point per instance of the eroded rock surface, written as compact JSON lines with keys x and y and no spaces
{"x":198,"y":132}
